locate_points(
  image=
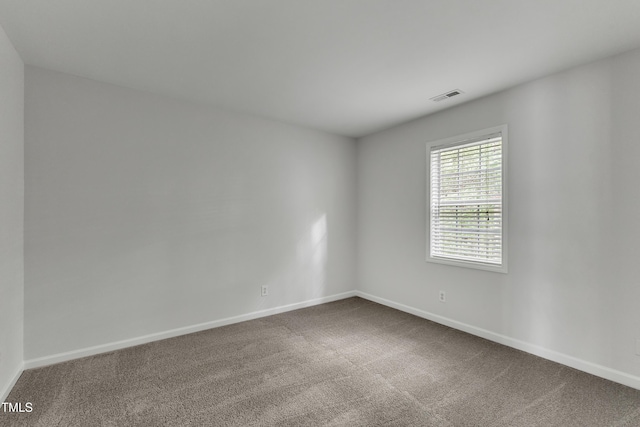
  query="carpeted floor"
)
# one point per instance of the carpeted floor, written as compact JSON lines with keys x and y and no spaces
{"x":347,"y":363}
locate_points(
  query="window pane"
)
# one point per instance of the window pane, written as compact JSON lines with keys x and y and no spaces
{"x":466,"y":201}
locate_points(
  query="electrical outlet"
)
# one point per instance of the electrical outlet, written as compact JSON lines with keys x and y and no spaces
{"x":265,"y":290}
{"x":443,"y":297}
{"x":638,"y":347}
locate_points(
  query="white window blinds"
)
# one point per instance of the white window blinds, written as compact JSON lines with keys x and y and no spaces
{"x":466,"y":201}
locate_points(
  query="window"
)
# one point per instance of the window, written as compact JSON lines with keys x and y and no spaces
{"x":467,"y":200}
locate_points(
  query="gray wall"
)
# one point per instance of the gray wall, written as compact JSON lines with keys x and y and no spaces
{"x":11,"y":212}
{"x":573,"y":283}
{"x":145,"y":214}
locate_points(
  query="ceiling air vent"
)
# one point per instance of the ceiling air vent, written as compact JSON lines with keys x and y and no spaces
{"x":447,"y":95}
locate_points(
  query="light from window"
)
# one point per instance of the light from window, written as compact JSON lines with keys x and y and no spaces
{"x":467,"y":214}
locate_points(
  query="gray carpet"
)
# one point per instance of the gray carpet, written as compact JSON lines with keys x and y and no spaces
{"x":347,"y":363}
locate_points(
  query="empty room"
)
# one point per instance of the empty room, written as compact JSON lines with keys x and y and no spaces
{"x":320,"y":212}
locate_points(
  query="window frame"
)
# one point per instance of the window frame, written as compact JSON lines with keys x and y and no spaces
{"x":461,"y":140}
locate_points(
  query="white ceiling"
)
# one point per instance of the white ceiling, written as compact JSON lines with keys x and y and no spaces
{"x":349,"y":67}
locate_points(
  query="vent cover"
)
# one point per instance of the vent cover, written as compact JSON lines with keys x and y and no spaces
{"x":447,"y":95}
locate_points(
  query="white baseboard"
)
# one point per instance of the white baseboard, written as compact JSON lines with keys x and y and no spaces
{"x":582,"y":365}
{"x":573,"y":362}
{"x":7,"y":389}
{"x":104,"y":348}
